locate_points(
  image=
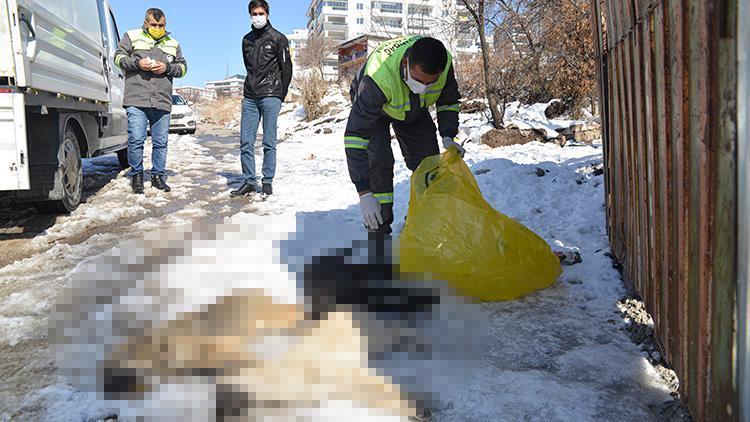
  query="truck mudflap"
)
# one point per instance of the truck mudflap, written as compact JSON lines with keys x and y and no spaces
{"x":14,"y":155}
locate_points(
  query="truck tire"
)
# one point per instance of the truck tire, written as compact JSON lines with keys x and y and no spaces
{"x":122,"y":157}
{"x":71,"y":175}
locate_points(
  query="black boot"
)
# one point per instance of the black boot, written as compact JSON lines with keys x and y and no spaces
{"x":137,"y":184}
{"x":157,"y":181}
{"x":267,"y":189}
{"x":244,"y":190}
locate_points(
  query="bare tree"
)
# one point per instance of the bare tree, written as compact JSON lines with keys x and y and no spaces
{"x":418,"y":22}
{"x":311,"y":84}
{"x":317,"y":50}
{"x":191,"y":96}
{"x":569,"y":53}
{"x":542,"y":49}
{"x":477,"y":10}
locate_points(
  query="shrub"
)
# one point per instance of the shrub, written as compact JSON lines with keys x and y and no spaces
{"x":313,"y":88}
{"x":222,"y":110}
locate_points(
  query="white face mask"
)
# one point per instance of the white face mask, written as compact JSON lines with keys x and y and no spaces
{"x":414,"y":85}
{"x":259,"y":21}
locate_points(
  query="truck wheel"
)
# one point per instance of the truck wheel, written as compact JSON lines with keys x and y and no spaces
{"x":122,"y":157}
{"x":71,"y":175}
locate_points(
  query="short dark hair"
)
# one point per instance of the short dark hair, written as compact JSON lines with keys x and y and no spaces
{"x":254,"y":4}
{"x":156,"y":13}
{"x":430,"y":54}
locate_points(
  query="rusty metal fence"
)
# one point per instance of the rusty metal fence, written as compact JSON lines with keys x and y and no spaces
{"x":743,"y":158}
{"x":668,"y":84}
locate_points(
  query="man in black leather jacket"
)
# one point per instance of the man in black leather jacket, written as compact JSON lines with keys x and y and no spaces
{"x":269,"y":73}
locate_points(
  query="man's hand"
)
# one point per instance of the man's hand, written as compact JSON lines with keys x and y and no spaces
{"x":370,"y":207}
{"x":449,"y":142}
{"x":145,"y":64}
{"x":159,"y":68}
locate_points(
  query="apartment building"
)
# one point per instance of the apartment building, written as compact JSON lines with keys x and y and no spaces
{"x":297,"y":42}
{"x":195,"y":93}
{"x":233,"y":86}
{"x":340,"y":21}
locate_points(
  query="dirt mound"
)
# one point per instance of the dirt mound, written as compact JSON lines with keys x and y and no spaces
{"x":221,"y":111}
{"x":585,"y":133}
{"x":476,"y":106}
{"x":504,"y":137}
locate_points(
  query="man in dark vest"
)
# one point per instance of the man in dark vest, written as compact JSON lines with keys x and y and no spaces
{"x":400,"y":81}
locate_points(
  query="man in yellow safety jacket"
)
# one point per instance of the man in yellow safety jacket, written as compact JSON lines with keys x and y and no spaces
{"x":151,"y":59}
{"x":400,"y":81}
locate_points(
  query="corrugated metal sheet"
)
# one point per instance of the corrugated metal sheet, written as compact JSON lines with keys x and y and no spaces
{"x":668,"y":81}
{"x":744,"y":209}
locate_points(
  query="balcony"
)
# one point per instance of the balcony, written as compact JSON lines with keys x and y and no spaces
{"x":338,"y":27}
{"x":387,"y":7}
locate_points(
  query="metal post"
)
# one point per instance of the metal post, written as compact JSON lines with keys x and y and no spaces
{"x":743,"y":287}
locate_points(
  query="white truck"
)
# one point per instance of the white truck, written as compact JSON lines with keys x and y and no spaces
{"x":60,"y":98}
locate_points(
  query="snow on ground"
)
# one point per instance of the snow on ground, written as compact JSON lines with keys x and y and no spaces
{"x":556,"y":355}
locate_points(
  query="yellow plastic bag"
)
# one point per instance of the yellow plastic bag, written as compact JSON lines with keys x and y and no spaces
{"x":453,"y":234}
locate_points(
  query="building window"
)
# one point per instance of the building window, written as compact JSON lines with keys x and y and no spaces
{"x":360,"y":21}
{"x":336,"y":35}
{"x":387,"y":6}
{"x":416,"y":9}
{"x":338,"y":5}
{"x":360,"y":6}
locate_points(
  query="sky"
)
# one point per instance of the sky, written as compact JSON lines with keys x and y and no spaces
{"x":209,"y":31}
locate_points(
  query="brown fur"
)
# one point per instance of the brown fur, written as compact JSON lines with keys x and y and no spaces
{"x":327,"y":359}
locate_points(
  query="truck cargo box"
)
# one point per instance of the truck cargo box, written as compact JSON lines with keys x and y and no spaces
{"x":54,"y":46}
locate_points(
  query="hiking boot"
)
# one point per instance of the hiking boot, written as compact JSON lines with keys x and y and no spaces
{"x":267,"y":189}
{"x":158,"y":182}
{"x":244,"y":190}
{"x":137,"y":184}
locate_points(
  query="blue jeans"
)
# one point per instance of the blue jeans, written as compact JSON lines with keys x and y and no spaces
{"x":252,"y":111}
{"x":138,"y":121}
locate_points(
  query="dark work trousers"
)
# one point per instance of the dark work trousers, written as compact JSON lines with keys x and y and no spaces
{"x":417,"y":139}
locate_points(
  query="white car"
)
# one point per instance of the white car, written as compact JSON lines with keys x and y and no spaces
{"x":183,"y":118}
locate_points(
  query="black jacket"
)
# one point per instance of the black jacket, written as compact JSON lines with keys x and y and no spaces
{"x":269,"y":67}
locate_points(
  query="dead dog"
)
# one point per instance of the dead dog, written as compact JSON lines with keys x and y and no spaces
{"x":180,"y":326}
